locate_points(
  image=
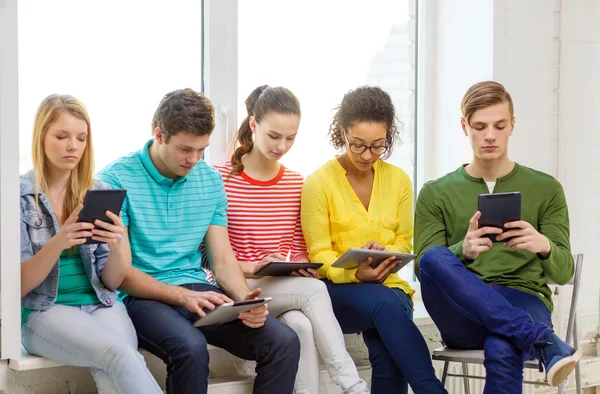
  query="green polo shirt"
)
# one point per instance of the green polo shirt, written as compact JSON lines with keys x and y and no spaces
{"x":446,"y":205}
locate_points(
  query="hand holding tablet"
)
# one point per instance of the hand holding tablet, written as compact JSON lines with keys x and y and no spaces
{"x":95,"y":205}
{"x":354,"y":256}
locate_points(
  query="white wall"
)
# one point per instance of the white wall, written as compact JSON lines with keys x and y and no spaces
{"x":579,"y":144}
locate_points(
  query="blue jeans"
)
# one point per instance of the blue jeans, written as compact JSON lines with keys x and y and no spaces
{"x":94,"y":336}
{"x":472,"y":314}
{"x":397,"y":350}
{"x":167,"y":332}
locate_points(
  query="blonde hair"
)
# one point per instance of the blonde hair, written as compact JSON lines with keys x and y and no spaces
{"x":81,"y":176}
{"x":482,"y":95}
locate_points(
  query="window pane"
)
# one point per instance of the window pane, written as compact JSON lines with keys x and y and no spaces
{"x":118,"y":57}
{"x":320,"y":50}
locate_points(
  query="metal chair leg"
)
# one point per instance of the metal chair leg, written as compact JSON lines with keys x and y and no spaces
{"x":445,"y":373}
{"x":575,"y":345}
{"x":561,"y":388}
{"x":465,"y":369}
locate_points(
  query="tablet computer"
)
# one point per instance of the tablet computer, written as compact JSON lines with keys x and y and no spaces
{"x":353,"y":257}
{"x":97,"y":202}
{"x":497,"y":209}
{"x":226,"y":313}
{"x":284,"y":268}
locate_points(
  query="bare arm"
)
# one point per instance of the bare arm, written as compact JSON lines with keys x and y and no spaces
{"x":36,"y":269}
{"x":141,"y":285}
{"x":227,"y":270}
{"x":119,"y":257}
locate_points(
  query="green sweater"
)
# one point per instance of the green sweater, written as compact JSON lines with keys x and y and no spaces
{"x":446,"y":205}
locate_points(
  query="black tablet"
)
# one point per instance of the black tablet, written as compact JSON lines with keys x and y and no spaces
{"x":97,"y":202}
{"x":497,"y":209}
{"x":284,"y":268}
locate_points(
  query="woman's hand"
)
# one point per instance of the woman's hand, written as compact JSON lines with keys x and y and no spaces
{"x":366,"y":273}
{"x":72,"y":233}
{"x":112,"y":234}
{"x":308,"y":273}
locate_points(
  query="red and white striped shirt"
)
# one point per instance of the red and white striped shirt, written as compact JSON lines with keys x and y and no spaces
{"x":264,"y":216}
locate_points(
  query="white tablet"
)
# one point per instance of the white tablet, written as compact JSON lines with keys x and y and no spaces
{"x":352,"y":258}
{"x":226,"y":313}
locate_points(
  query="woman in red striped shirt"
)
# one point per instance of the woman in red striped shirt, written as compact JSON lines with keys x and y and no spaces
{"x":264,"y":226}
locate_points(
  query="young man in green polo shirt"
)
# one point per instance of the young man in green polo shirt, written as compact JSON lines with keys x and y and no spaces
{"x":175,"y":203}
{"x":494,"y":296}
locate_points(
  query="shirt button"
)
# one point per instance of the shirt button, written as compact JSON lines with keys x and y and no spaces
{"x":108,"y":301}
{"x":38,"y":222}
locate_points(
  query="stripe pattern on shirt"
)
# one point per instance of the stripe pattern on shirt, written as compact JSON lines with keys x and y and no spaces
{"x":264,"y":216}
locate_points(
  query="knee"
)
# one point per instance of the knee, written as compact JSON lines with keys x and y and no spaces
{"x":432,"y":260}
{"x":285,"y":341}
{"x":300,"y":323}
{"x":192,"y":350}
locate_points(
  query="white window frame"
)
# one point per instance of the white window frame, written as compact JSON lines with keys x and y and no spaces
{"x":220,"y":77}
{"x":10,"y":272}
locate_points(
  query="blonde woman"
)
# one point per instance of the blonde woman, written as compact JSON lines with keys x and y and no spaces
{"x":70,"y":312}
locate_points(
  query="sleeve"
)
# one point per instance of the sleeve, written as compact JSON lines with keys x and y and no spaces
{"x":26,"y":248}
{"x":404,"y":231}
{"x":554,"y":224}
{"x":219,"y":217}
{"x":430,"y":229}
{"x":315,"y":226}
{"x":109,"y":177}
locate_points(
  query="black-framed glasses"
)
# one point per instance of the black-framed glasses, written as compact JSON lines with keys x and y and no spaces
{"x":360,"y":149}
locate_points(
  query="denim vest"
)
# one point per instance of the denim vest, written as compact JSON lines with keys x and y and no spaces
{"x":38,"y":225}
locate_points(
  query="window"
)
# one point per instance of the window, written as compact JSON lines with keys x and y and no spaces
{"x":322,"y":49}
{"x":118,"y":57}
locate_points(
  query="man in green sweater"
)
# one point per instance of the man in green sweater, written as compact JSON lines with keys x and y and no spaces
{"x":494,"y":296}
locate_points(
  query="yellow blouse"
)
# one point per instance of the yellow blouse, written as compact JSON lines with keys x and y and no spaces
{"x":334,"y":220}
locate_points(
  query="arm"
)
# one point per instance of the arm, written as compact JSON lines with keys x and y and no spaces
{"x":35,"y":268}
{"x":430,"y":229}
{"x":554,"y":224}
{"x":140,"y":284}
{"x":315,"y":226}
{"x":224,"y":264}
{"x":118,"y":260}
{"x":404,"y":230}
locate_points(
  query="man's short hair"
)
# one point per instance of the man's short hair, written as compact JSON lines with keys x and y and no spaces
{"x":482,"y":95}
{"x":184,"y":111}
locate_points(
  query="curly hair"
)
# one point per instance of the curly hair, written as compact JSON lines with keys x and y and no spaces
{"x":365,"y":104}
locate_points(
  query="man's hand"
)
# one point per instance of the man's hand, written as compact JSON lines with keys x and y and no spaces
{"x":366,"y":273}
{"x":194,"y":301}
{"x":525,"y":237}
{"x":373,"y":246}
{"x":475,"y":241}
{"x":254,"y":318}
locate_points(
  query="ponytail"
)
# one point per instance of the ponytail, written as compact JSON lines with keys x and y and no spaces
{"x":244,"y":134}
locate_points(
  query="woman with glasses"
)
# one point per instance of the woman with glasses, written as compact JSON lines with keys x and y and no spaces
{"x":357,"y":200}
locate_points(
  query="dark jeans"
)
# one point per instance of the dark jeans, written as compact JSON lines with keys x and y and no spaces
{"x":472,"y":314}
{"x":167,"y":332}
{"x":397,"y":350}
